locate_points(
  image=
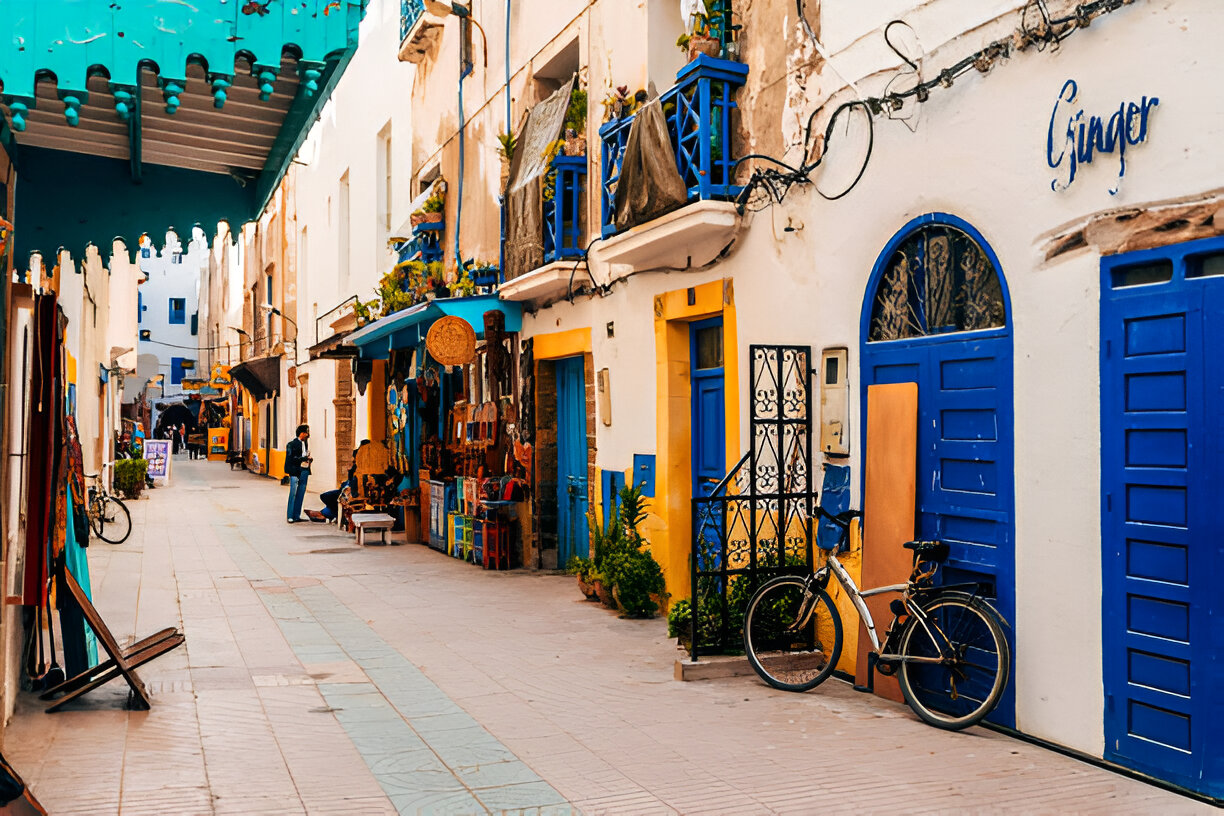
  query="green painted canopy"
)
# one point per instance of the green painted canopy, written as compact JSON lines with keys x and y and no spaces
{"x":227,"y":88}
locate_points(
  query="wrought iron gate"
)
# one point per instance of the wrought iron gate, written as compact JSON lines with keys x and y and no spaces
{"x":758,"y":522}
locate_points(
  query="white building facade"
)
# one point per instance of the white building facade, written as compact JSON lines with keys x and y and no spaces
{"x":1008,"y":209}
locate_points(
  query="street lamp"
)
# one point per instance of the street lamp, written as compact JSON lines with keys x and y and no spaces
{"x":270,"y":309}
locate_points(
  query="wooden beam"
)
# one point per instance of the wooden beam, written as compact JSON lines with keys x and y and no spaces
{"x":162,"y":153}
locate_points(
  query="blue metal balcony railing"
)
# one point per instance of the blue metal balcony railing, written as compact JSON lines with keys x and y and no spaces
{"x":425,"y":244}
{"x":563,"y":211}
{"x":698,"y":110}
{"x":410,"y":12}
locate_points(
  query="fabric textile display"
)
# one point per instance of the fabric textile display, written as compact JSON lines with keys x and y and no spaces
{"x":649,"y":185}
{"x":525,"y":206}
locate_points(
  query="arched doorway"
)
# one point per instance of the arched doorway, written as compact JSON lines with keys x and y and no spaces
{"x":937,"y":314}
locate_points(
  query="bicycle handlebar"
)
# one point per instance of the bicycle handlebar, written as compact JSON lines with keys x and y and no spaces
{"x":841,"y":519}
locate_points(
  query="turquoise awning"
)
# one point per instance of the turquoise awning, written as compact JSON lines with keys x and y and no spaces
{"x":201,"y":104}
{"x":407,"y":328}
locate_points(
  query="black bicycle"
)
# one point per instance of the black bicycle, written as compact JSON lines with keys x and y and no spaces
{"x":946,"y":644}
{"x":108,"y":515}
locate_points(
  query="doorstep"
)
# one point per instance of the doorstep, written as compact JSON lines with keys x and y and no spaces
{"x":713,"y":667}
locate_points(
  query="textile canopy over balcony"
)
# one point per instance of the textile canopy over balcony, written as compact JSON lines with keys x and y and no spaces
{"x":143,"y":116}
{"x":407,"y":328}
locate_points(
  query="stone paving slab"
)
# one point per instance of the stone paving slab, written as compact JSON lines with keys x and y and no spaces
{"x":323,"y":678}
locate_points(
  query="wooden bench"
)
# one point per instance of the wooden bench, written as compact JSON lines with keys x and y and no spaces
{"x":372,"y":521}
{"x":122,"y":661}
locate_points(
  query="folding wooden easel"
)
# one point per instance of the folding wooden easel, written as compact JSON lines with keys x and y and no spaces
{"x":122,"y":661}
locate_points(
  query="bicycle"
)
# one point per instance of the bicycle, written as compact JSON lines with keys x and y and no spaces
{"x":108,"y":515}
{"x":945,"y":644}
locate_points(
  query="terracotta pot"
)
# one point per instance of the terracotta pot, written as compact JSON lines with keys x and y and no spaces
{"x":432,"y":218}
{"x":703,"y":45}
{"x":585,"y":588}
{"x":416,"y":218}
{"x":605,"y":595}
{"x":575,"y":146}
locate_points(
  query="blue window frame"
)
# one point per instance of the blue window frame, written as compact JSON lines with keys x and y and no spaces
{"x":195,"y":323}
{"x":178,"y":311}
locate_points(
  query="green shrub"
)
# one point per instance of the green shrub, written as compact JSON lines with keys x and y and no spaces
{"x":130,"y":477}
{"x":622,"y":557}
{"x":680,"y":619}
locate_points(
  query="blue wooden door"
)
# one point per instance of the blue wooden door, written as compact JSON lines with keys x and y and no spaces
{"x":937,"y":316}
{"x":965,"y":479}
{"x":709,"y":408}
{"x":572,"y":534}
{"x":1162,"y":428}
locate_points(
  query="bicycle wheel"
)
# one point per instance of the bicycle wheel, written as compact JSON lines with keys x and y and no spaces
{"x":975,"y":660}
{"x":111,"y":520}
{"x":792,"y":637}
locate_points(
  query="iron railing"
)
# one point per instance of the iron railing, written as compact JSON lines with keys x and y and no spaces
{"x":563,"y":210}
{"x":425,"y":243}
{"x":757,"y":523}
{"x":410,"y":12}
{"x":699,"y":111}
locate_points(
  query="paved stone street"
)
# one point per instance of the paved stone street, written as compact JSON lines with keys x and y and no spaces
{"x":324,"y":679}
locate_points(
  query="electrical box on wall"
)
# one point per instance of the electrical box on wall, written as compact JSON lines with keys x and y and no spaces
{"x":834,"y":402}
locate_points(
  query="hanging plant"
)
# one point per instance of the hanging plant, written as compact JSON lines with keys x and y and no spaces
{"x":553,"y":150}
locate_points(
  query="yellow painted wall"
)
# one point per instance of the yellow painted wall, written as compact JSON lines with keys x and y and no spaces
{"x":376,"y":403}
{"x":669,"y":526}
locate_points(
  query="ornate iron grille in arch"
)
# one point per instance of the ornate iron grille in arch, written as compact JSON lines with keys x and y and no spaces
{"x":757,"y":523}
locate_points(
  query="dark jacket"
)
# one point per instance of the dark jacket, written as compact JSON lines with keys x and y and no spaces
{"x":293,"y":457}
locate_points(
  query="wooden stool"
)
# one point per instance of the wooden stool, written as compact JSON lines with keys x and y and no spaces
{"x":372,"y":521}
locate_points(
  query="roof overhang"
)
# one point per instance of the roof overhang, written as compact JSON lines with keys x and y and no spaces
{"x":407,"y":328}
{"x":162,"y":96}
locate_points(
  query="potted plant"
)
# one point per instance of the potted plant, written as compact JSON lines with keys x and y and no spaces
{"x":508,"y":142}
{"x":575,"y":123}
{"x":548,"y":189}
{"x":431,"y":212}
{"x":619,"y":104}
{"x":631,"y":579}
{"x":130,"y":477}
{"x":583,"y":570}
{"x":700,"y":38}
{"x":464,"y":286}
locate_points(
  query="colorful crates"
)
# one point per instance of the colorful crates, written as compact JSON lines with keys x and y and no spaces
{"x":460,"y":527}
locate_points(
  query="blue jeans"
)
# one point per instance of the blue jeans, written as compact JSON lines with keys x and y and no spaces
{"x":297,"y":494}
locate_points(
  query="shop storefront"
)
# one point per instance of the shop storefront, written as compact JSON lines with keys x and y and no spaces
{"x":442,"y":382}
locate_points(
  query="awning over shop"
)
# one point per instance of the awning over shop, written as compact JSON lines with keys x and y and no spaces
{"x":260,"y":377}
{"x":407,"y":328}
{"x":333,"y":348}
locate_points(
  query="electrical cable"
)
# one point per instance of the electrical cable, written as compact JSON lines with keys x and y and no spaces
{"x":1051,"y":31}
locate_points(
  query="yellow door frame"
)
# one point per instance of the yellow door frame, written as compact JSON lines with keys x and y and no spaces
{"x":671,"y":530}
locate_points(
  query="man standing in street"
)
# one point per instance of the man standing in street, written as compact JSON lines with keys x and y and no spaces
{"x":297,"y":468}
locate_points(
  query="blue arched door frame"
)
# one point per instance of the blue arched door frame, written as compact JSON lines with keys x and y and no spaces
{"x":957,"y":374}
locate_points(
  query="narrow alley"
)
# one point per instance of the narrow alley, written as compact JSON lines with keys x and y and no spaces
{"x":320,"y":677}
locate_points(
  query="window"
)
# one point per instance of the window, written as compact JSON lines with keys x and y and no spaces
{"x":139,"y":306}
{"x":145,"y":334}
{"x":937,"y":280}
{"x":180,"y":367}
{"x":178,"y":311}
{"x":343,"y":231}
{"x":269,"y":301}
{"x":384,"y":178}
{"x":195,"y":323}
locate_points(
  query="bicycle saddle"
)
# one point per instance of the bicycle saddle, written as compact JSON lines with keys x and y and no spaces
{"x":928,"y":550}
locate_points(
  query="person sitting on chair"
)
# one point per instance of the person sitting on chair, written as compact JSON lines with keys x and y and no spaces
{"x":331,"y":498}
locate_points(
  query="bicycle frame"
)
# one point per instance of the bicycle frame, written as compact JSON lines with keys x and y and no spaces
{"x":858,"y":598}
